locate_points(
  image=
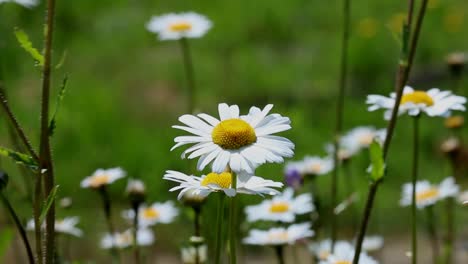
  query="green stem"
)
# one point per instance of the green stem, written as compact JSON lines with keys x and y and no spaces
{"x":136,"y":248}
{"x":107,"y":206}
{"x":339,"y":116}
{"x":189,"y":72}
{"x":37,"y":202}
{"x":432,"y":231}
{"x":449,"y":241}
{"x":196,"y":222}
{"x":219,"y":228}
{"x":20,"y":227}
{"x":232,"y":222}
{"x":280,"y":254}
{"x":414,"y":179}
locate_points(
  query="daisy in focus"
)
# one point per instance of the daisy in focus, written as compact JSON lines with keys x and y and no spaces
{"x":322,"y":249}
{"x":279,"y":236}
{"x":343,"y":254}
{"x":145,"y":237}
{"x":101,"y":178}
{"x":177,"y":26}
{"x":363,"y":136}
{"x":66,"y":225}
{"x":214,"y":182}
{"x":428,"y":194}
{"x":157,"y":213}
{"x":242,"y":142}
{"x":283,"y":207}
{"x":25,"y":3}
{"x":433,"y":102}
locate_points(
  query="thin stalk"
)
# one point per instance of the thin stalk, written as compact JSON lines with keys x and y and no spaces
{"x":414,"y":179}
{"x":404,"y":70}
{"x":136,"y":248}
{"x":189,"y":72}
{"x":107,"y":206}
{"x":196,"y":222}
{"x":45,"y":156}
{"x":432,"y":231}
{"x":280,"y":254}
{"x":232,"y":222}
{"x":219,"y":229}
{"x":37,"y":202}
{"x":450,"y":238}
{"x":339,"y":115}
{"x":20,"y":227}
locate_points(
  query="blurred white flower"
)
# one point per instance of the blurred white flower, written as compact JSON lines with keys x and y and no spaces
{"x":189,"y":254}
{"x":279,"y":235}
{"x":363,"y":136}
{"x":314,"y":165}
{"x":214,"y":182}
{"x":427,"y":193}
{"x":344,"y":254}
{"x":347,"y":149}
{"x":372,"y":243}
{"x":463,"y":198}
{"x":102,"y":177}
{"x":145,"y":237}
{"x":242,"y":142}
{"x":283,"y":207}
{"x":66,"y":225}
{"x":135,"y":186}
{"x":25,"y":3}
{"x":163,"y":213}
{"x":177,"y":26}
{"x":322,"y":249}
{"x":434,"y":102}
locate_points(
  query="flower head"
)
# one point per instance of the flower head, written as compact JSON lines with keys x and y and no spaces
{"x":362,"y":137}
{"x":66,"y":225}
{"x":314,"y":165}
{"x":189,"y":254}
{"x":344,"y":254}
{"x":283,"y":207}
{"x":322,"y":250}
{"x":434,"y":102}
{"x":428,"y":194}
{"x":102,"y":178}
{"x":293,"y":174}
{"x":242,"y":142}
{"x":163,"y":213}
{"x":177,"y":26}
{"x":145,"y":237}
{"x":372,"y":243}
{"x":280,"y":235}
{"x":25,"y":3}
{"x":214,"y":182}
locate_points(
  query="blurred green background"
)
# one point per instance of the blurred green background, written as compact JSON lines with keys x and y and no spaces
{"x":126,"y":89}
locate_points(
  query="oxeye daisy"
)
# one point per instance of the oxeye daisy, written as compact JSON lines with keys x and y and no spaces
{"x":428,"y":194}
{"x":343,"y":254}
{"x":283,"y":207}
{"x":314,"y":165}
{"x":279,"y":235}
{"x":163,"y":213}
{"x":363,"y":136}
{"x":177,"y":26}
{"x":322,"y":249}
{"x":347,"y":149}
{"x":102,"y":178}
{"x":214,"y":182}
{"x":433,"y":102}
{"x":189,"y":254}
{"x":66,"y":225}
{"x":242,"y":142}
{"x":372,"y":243}
{"x":145,"y":237}
{"x":25,"y":3}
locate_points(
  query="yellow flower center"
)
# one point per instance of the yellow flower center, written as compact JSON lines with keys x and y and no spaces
{"x":343,"y":262}
{"x":223,"y":180}
{"x":180,"y":26}
{"x":454,"y":122}
{"x":150,"y":213}
{"x":427,"y":194}
{"x":279,"y":207}
{"x":417,"y":97}
{"x":99,"y":180}
{"x":233,"y":134}
{"x":323,"y":255}
{"x":316,"y":167}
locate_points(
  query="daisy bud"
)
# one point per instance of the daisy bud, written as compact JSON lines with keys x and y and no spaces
{"x":456,"y":62}
{"x":3,"y":180}
{"x":193,"y":199}
{"x":454,"y":122}
{"x":65,"y":202}
{"x":136,"y":191}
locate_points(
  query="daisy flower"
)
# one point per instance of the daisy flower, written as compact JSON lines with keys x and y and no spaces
{"x":428,"y":194}
{"x":314,"y":165}
{"x":102,"y":178}
{"x":157,"y":213}
{"x":66,"y":225}
{"x":434,"y":102}
{"x":344,"y":254}
{"x":279,"y":235}
{"x":283,"y":207}
{"x":347,"y":149}
{"x":363,"y":136}
{"x":189,"y":254}
{"x":135,"y":187}
{"x":322,"y":249}
{"x":177,"y":26}
{"x":242,"y":142}
{"x":214,"y":182}
{"x":25,"y":3}
{"x":372,"y":243}
{"x":145,"y":237}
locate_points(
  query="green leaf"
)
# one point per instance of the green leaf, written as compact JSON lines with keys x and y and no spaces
{"x":20,"y":158}
{"x":377,"y":161}
{"x":61,"y":95}
{"x":48,"y":204}
{"x":62,"y":60}
{"x":6,"y":238}
{"x":26,"y":44}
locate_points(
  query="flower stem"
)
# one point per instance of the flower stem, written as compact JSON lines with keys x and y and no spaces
{"x":219,"y":229}
{"x":189,"y":72}
{"x":37,"y":201}
{"x":431,"y":229}
{"x":232,"y":222}
{"x":414,"y":179}
{"x":280,"y":254}
{"x":196,"y":222}
{"x":449,"y":241}
{"x":404,"y":70}
{"x":136,"y":249}
{"x":19,"y":227}
{"x":339,"y":115}
{"x":107,"y":206}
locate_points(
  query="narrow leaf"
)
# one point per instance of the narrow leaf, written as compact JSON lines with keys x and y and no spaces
{"x":6,"y":238}
{"x":26,"y":44}
{"x":48,"y":204}
{"x":377,"y":161}
{"x":62,"y":60}
{"x":61,"y":95}
{"x":20,"y":158}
